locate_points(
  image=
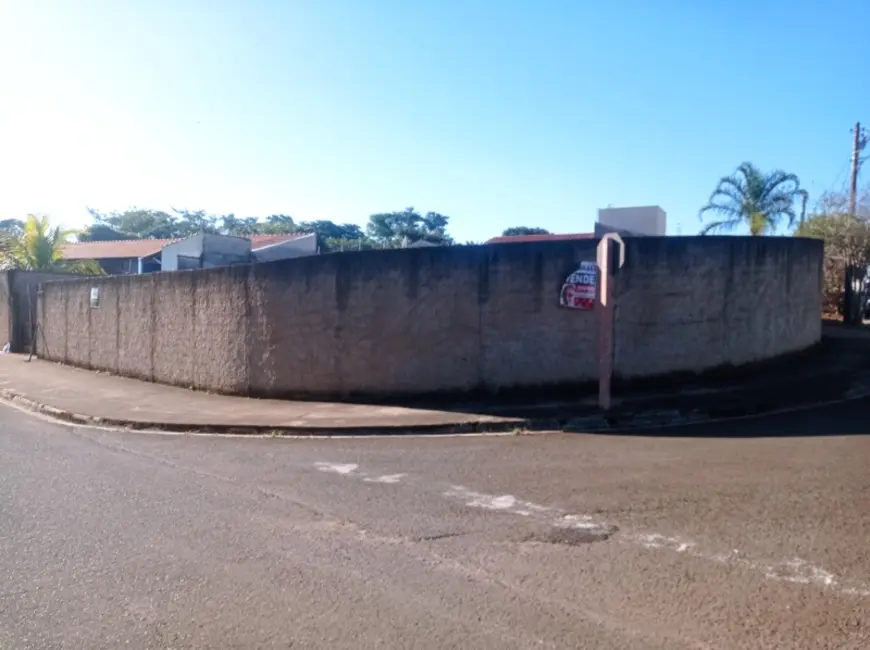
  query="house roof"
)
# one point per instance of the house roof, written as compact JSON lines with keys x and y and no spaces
{"x":136,"y":248}
{"x":522,"y":239}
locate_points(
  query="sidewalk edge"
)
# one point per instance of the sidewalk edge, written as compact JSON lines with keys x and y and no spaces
{"x":627,"y":423}
{"x":450,"y":428}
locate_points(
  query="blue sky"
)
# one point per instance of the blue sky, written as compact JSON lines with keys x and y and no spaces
{"x":495,"y":112}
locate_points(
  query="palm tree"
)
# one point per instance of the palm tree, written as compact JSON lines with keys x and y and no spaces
{"x":752,"y":198}
{"x":39,"y":247}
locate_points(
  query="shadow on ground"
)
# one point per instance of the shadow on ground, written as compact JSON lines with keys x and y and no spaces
{"x":844,"y":419}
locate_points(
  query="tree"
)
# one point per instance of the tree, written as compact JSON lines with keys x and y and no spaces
{"x":39,"y":248}
{"x":232,"y":225}
{"x":100,"y":232}
{"x":524,"y":230}
{"x":194,"y":222}
{"x":339,"y":244}
{"x":847,"y":250}
{"x":12,"y":227}
{"x":395,"y":229}
{"x":278,"y":224}
{"x":138,"y":224}
{"x":751,"y":198}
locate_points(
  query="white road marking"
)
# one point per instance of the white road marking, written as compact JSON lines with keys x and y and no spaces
{"x":510,"y":504}
{"x":655,"y":541}
{"x":579,"y":522}
{"x":796,"y":570}
{"x":337,"y":468}
{"x":386,"y":478}
{"x":472,"y":499}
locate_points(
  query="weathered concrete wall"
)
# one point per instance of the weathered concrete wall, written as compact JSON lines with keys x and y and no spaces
{"x":5,"y":309}
{"x":441,"y":319}
{"x":183,"y":328}
{"x":694,"y":303}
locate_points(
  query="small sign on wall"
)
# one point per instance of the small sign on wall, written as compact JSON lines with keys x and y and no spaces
{"x":578,"y":290}
{"x":95,"y":297}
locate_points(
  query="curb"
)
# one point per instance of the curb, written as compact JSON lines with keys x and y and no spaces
{"x":625,"y":422}
{"x":470,"y":427}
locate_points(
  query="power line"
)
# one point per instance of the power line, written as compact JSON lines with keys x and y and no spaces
{"x":858,"y":144}
{"x":840,"y":174}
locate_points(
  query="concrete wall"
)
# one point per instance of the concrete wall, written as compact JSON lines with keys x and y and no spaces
{"x":5,"y":309}
{"x":693,"y":303}
{"x":441,"y":319}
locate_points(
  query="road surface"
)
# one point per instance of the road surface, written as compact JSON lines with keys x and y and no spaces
{"x":718,"y":539}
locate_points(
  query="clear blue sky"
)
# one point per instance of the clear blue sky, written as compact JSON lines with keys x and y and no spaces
{"x":494,"y":112}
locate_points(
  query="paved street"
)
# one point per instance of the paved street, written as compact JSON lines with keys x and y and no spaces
{"x":720,"y":539}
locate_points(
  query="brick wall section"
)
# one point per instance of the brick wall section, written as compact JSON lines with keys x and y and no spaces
{"x":424,"y":320}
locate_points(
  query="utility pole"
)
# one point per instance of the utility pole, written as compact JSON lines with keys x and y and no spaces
{"x":851,"y":303}
{"x":858,"y":145}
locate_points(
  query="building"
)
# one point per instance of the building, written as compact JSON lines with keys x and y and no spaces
{"x":134,"y":256}
{"x":637,"y":221}
{"x":209,"y":251}
{"x":648,"y":220}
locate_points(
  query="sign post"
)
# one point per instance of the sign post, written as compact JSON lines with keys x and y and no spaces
{"x":605,"y":315}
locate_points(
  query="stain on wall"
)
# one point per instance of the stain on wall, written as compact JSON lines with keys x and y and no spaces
{"x":412,"y":321}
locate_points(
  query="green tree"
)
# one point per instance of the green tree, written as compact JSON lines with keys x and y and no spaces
{"x":39,"y":247}
{"x":524,"y":230}
{"x":232,"y":225}
{"x":100,"y":232}
{"x":194,"y":222}
{"x":847,"y":250}
{"x":278,"y":224}
{"x":395,"y":229}
{"x":752,"y":198}
{"x":330,"y":230}
{"x":138,"y":224}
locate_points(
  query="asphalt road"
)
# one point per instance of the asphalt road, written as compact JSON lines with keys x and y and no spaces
{"x":127,"y":540}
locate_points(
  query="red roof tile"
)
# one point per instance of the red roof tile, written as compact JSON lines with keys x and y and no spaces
{"x":522,"y":239}
{"x":127,"y":248}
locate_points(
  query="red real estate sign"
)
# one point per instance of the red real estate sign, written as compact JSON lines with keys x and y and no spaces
{"x":578,"y":290}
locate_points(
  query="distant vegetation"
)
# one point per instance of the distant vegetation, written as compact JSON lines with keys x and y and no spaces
{"x":524,"y":230}
{"x":384,"y":230}
{"x":847,"y":250}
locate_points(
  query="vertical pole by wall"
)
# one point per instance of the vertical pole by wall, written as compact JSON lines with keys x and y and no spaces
{"x":605,"y":315}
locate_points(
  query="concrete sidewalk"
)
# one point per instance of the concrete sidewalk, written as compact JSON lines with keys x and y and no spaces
{"x":98,"y":398}
{"x":838,"y":369}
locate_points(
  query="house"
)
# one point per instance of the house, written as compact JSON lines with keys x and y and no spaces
{"x":206,"y":251}
{"x":133,"y":256}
